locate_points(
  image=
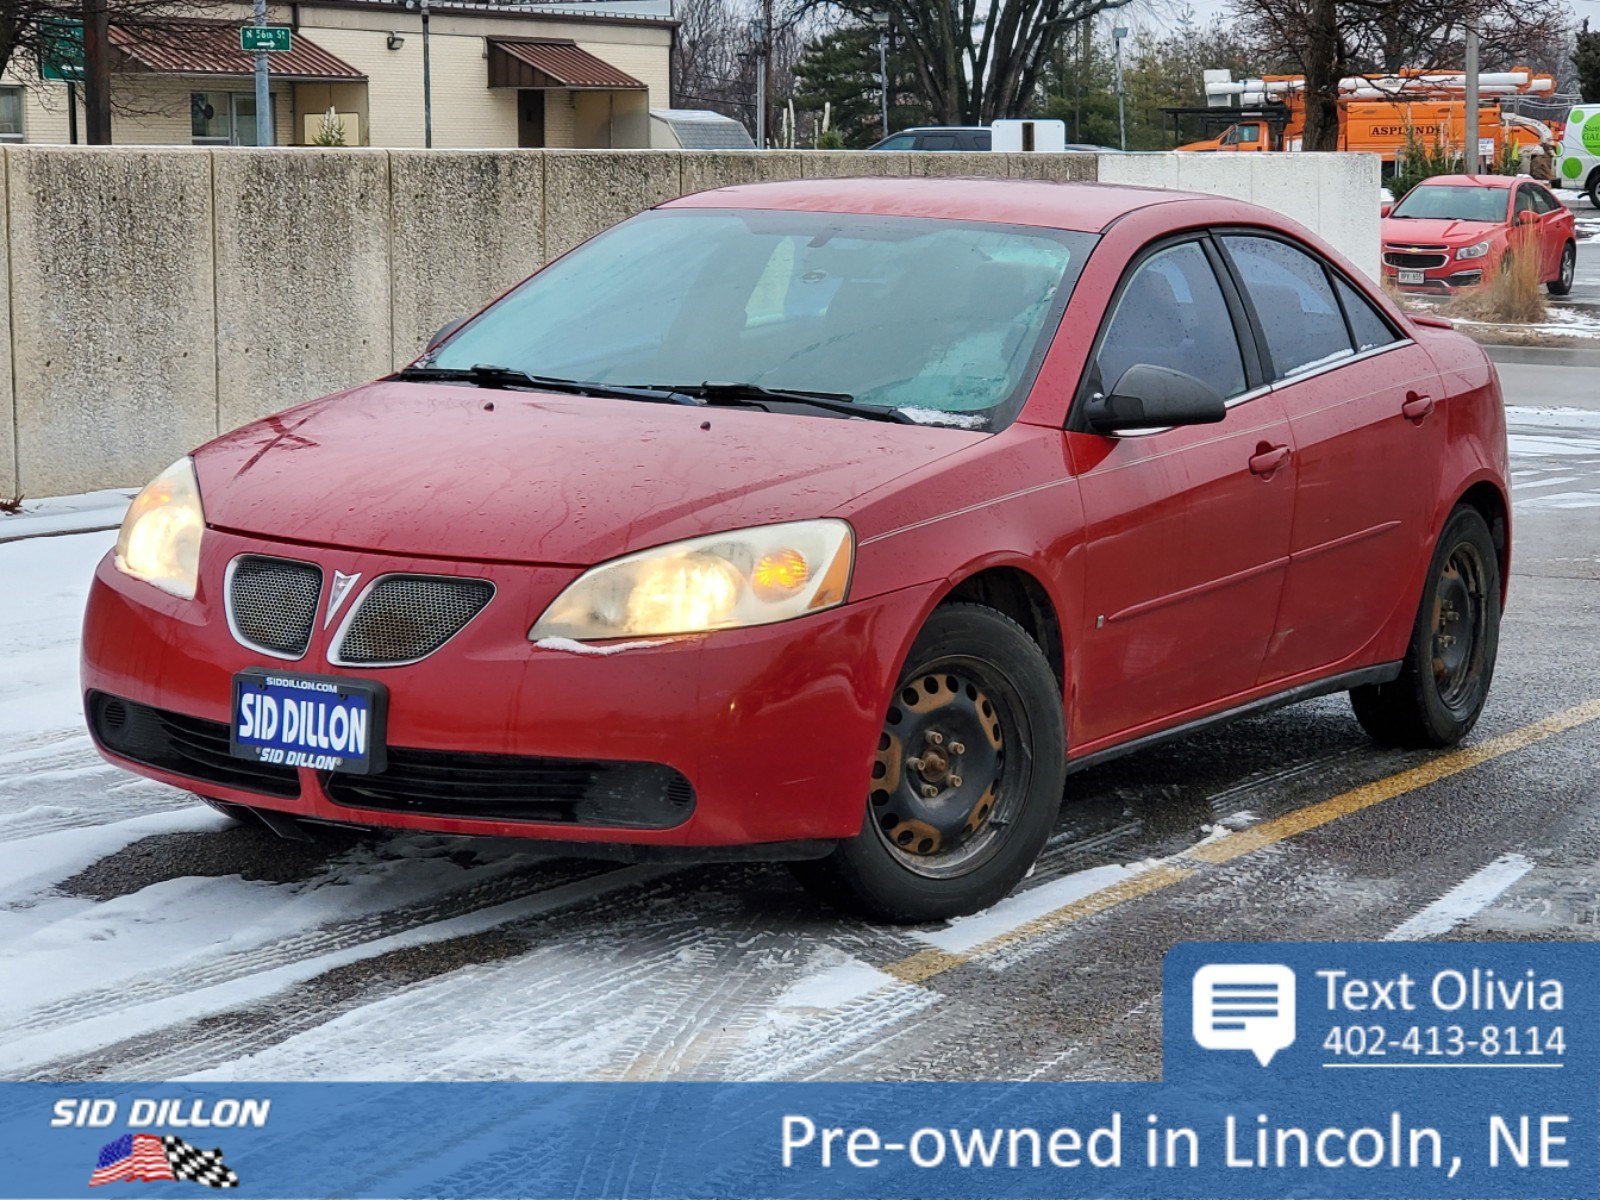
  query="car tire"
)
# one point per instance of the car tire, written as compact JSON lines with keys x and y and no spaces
{"x":1444,"y":680}
{"x":1594,"y":188}
{"x":1562,"y":283}
{"x":977,"y":695}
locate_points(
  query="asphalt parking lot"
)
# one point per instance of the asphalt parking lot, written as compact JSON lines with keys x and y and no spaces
{"x":145,"y":938}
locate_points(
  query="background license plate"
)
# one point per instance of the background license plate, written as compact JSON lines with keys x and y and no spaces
{"x":323,"y":722}
{"x":1410,"y":276}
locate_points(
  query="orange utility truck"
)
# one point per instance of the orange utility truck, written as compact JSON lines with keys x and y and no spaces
{"x":1375,"y":111}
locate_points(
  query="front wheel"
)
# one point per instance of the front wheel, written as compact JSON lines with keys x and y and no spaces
{"x":1562,"y":283}
{"x":1444,"y":680}
{"x":967,"y":780}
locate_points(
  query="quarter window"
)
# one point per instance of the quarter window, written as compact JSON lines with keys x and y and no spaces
{"x":1172,"y":314}
{"x":1368,"y":326}
{"x":1294,"y":303}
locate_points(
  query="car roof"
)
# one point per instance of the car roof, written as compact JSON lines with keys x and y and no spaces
{"x":1082,"y":207}
{"x":1485,"y":181}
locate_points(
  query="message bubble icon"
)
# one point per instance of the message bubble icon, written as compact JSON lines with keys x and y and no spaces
{"x":1244,"y":1006}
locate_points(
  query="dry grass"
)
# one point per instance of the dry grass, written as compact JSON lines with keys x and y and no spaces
{"x":1514,"y":295}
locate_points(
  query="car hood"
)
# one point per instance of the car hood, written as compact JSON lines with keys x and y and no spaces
{"x":1410,"y":231}
{"x":469,"y":473}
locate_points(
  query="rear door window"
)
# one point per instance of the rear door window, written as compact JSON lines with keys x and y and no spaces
{"x":1366,"y":323}
{"x":1172,"y":314}
{"x":1294,"y":303}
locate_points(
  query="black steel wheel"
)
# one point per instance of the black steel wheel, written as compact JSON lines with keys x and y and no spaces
{"x":967,"y":778}
{"x":1444,"y":680}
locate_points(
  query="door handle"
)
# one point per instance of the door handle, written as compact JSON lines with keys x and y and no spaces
{"x":1268,"y":459}
{"x":1416,"y":407}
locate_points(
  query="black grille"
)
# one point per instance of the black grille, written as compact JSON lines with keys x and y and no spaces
{"x":1413,"y":259}
{"x":273,"y":603}
{"x":511,"y":788}
{"x":407,"y":617}
{"x":187,"y":746}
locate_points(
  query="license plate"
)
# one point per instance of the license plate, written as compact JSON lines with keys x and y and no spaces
{"x":1410,"y":276}
{"x":323,"y":722}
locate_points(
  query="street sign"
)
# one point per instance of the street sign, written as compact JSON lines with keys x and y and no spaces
{"x":271,"y":39}
{"x":61,"y":51}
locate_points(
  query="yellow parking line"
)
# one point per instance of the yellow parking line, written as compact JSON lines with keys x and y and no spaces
{"x":926,"y":964}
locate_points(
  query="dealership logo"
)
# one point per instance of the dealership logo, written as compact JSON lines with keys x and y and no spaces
{"x":342,"y":586}
{"x":149,"y":1158}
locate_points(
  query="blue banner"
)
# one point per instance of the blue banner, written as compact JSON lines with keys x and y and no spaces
{"x":1331,"y":1069}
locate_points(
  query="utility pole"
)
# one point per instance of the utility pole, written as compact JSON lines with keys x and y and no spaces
{"x":1470,"y":154}
{"x":882,"y":19}
{"x":427,"y":82}
{"x":1117,"y":34}
{"x":763,"y":71}
{"x":263,"y":92}
{"x":97,"y":72}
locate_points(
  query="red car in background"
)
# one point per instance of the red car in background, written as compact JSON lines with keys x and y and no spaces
{"x":1453,"y":231}
{"x":829,"y":521}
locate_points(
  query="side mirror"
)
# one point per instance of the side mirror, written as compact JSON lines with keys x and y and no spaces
{"x":1383,"y":209}
{"x":1152,"y":397}
{"x":1525,"y":217}
{"x":444,"y":332}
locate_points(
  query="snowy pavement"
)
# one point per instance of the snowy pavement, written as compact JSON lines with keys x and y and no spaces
{"x":145,"y":937}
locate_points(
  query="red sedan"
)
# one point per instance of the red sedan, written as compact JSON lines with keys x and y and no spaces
{"x":825,"y":521}
{"x":1454,"y":231}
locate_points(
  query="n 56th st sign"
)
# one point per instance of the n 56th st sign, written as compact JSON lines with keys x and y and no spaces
{"x":270,"y":39}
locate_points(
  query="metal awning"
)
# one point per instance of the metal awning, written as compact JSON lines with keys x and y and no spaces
{"x":550,"y":63}
{"x":212,"y":48}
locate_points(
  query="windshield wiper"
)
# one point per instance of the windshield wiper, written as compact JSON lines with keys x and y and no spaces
{"x":487,"y":375}
{"x":753,"y":395}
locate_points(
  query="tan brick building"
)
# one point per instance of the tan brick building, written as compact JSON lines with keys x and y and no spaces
{"x":501,"y":76}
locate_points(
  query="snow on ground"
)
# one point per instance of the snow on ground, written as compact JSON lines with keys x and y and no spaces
{"x":66,"y":514}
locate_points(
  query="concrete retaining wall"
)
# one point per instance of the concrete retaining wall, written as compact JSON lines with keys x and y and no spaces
{"x":160,"y":296}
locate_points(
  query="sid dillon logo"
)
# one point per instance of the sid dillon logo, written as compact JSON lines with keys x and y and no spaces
{"x":149,"y":1158}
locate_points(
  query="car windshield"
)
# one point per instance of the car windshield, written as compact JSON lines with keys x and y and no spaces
{"x":944,"y":319}
{"x":1451,"y":202}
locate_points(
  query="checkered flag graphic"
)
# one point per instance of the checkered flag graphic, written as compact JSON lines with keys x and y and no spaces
{"x":201,"y":1166}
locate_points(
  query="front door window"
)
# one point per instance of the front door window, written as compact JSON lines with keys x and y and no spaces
{"x":222,"y":118}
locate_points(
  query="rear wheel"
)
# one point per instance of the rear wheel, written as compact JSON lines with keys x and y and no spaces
{"x":967,"y":780}
{"x":1562,"y":283}
{"x":1445,"y":678}
{"x":1594,"y":188}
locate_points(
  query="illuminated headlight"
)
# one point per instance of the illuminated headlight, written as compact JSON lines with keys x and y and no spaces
{"x":1477,"y":251}
{"x":725,"y":581}
{"x":160,"y":538}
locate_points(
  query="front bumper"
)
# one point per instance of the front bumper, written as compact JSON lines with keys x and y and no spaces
{"x":1444,"y":280}
{"x":774,"y":728}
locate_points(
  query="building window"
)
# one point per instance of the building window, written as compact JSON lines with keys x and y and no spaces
{"x":10,"y":114}
{"x":222,"y":118}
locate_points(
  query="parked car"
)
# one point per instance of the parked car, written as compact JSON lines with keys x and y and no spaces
{"x":742,"y":531}
{"x":1453,"y":231}
{"x":937,"y":137}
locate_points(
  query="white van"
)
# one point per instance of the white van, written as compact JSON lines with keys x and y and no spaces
{"x":1577,"y":163}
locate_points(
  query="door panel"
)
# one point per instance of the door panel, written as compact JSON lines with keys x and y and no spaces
{"x":1187,"y":549}
{"x":1368,"y":478}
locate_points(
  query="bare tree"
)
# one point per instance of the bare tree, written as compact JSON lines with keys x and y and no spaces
{"x":976,"y":60}
{"x":36,"y":32}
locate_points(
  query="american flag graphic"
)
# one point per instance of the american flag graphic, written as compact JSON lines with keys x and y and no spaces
{"x":147,"y":1158}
